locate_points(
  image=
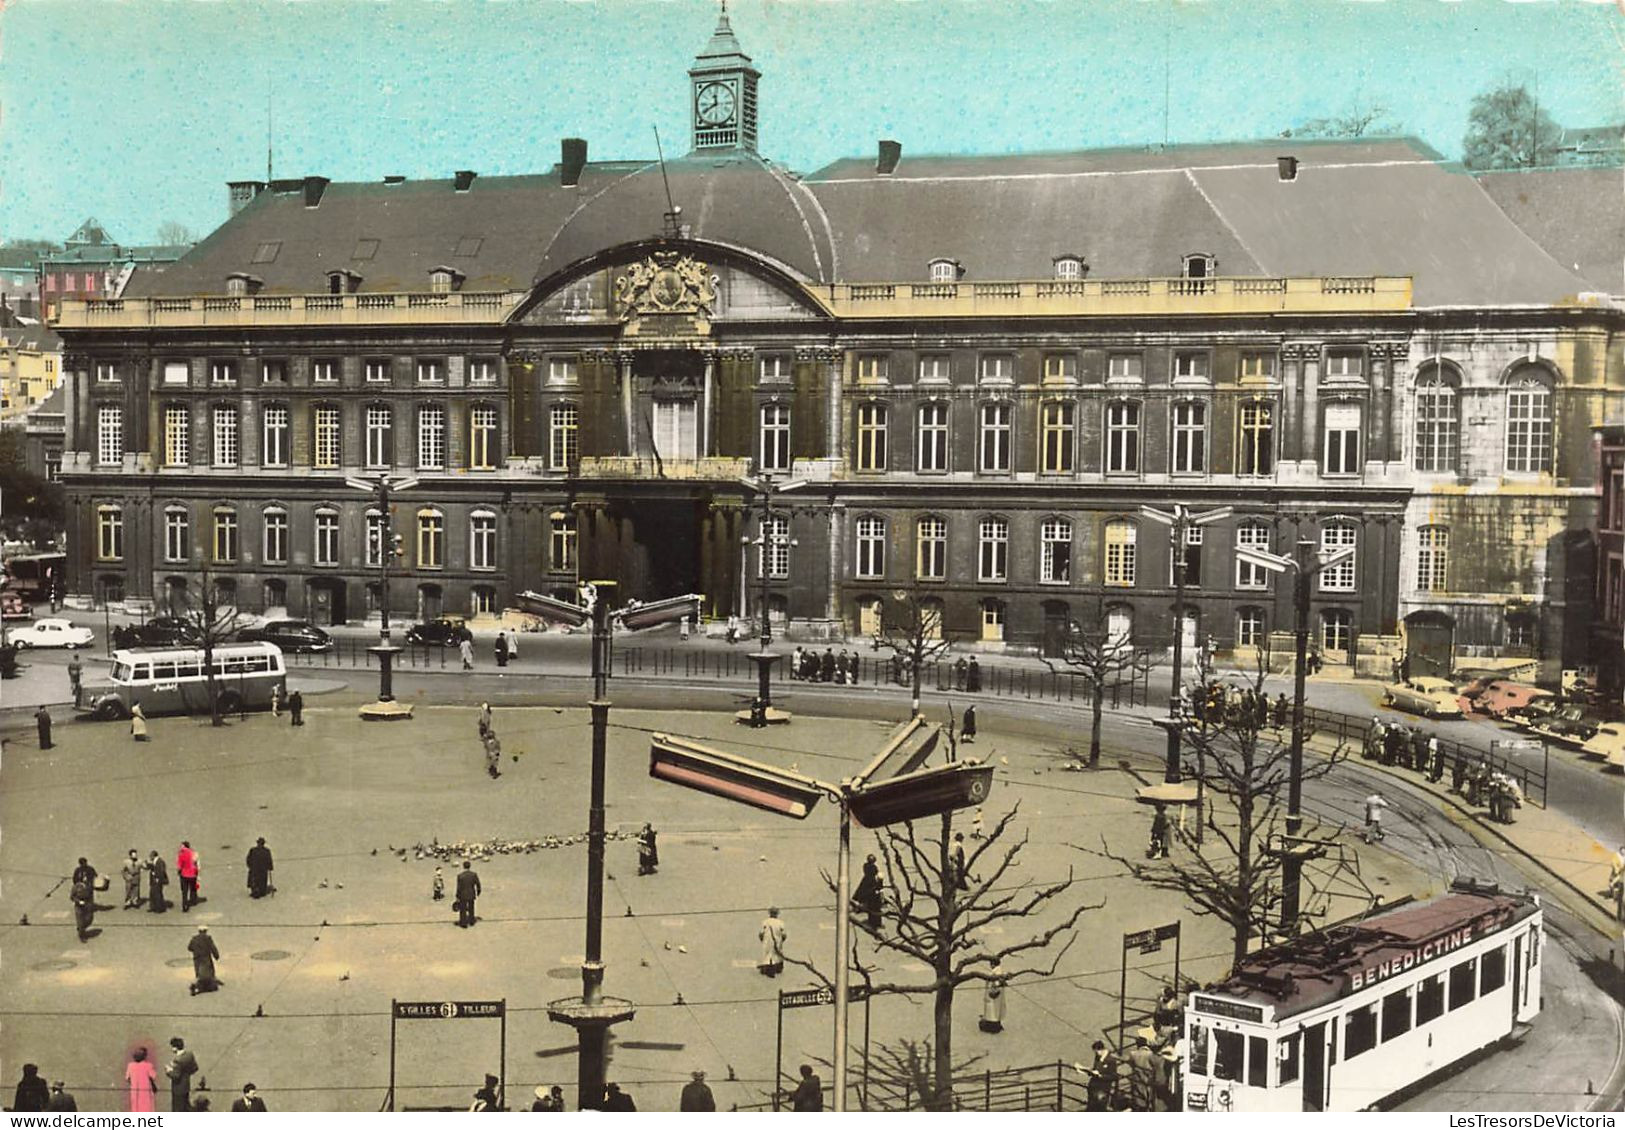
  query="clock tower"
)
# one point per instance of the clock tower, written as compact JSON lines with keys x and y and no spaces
{"x":722,"y":85}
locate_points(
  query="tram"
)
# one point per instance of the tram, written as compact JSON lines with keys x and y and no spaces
{"x":1342,"y":1019}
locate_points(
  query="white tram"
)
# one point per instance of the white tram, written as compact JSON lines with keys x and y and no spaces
{"x":1340,"y":1020}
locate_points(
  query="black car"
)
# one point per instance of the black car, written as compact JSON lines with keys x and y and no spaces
{"x":289,"y":635}
{"x":445,"y":631}
{"x":161,"y":631}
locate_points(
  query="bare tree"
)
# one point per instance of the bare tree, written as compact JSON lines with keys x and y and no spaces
{"x":1091,"y":649}
{"x":1361,"y":120}
{"x":212,"y":622}
{"x":912,"y":630}
{"x":173,"y":233}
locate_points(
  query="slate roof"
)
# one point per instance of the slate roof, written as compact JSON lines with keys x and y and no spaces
{"x":1576,"y":214}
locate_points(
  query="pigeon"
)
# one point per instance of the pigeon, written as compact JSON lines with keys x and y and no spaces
{"x":346,"y":976}
{"x":259,"y":1010}
{"x":682,"y":949}
{"x":665,"y":945}
{"x":375,"y":851}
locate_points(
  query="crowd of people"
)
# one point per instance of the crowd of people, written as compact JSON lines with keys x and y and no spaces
{"x":1408,"y":747}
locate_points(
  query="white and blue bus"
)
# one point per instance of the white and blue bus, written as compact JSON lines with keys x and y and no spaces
{"x":172,"y":680}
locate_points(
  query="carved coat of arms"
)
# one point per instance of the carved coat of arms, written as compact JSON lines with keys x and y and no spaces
{"x":667,"y":282}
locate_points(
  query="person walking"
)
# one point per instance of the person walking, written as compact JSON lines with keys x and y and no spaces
{"x":867,"y":897}
{"x":1616,"y":882}
{"x":142,"y":1079}
{"x":648,"y":853}
{"x":1435,"y":759}
{"x":250,"y":1102}
{"x":485,"y":718}
{"x":157,"y":880}
{"x":296,"y":708}
{"x":1159,"y":834}
{"x":182,"y":1066}
{"x":992,"y":1020}
{"x":83,"y":897}
{"x":84,"y":873}
{"x":465,"y":650}
{"x":204,"y":954}
{"x":61,"y":1100}
{"x":967,"y":725}
{"x":1102,"y":1074}
{"x":32,"y":1093}
{"x":468,"y":889}
{"x":772,"y":935}
{"x":260,"y":865}
{"x":973,"y":676}
{"x":1143,"y":1080}
{"x":617,"y":1100}
{"x":42,"y":720}
{"x":186,"y":867}
{"x":808,"y":1097}
{"x":1374,"y":804}
{"x":696,"y":1095}
{"x":501,"y":649}
{"x":956,"y":861}
{"x":76,"y":677}
{"x":276,"y":701}
{"x":797,"y":657}
{"x":437,"y":886}
{"x":493,"y":754}
{"x":138,"y":723}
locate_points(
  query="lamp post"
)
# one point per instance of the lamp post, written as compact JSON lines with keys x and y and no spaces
{"x":761,"y":712}
{"x":386,"y":709}
{"x":1179,"y":522}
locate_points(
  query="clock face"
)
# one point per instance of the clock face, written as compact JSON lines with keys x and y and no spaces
{"x":714,"y":103}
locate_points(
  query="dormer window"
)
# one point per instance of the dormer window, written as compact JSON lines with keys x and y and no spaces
{"x":1070,"y":267}
{"x":946,"y":270}
{"x":342,"y":282}
{"x":1199,"y":266}
{"x":444,"y":280}
{"x":239,"y":284}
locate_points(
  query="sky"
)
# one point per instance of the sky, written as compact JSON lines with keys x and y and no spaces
{"x":138,"y":111}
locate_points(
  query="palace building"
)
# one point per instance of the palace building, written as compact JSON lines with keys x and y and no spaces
{"x":980,"y":368}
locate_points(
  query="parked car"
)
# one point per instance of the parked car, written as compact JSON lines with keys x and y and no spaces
{"x":161,"y":631}
{"x":52,"y":633}
{"x":289,"y":635}
{"x":1570,"y":724}
{"x":1424,"y":695}
{"x":1608,"y":743}
{"x":447,"y":631}
{"x":1503,"y":696}
{"x":14,"y":607}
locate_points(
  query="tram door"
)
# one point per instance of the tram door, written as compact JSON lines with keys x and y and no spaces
{"x":1518,"y":981}
{"x":1314,"y":1067}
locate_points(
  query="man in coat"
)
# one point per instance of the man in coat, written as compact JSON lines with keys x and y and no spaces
{"x":260,"y":867}
{"x":61,"y":1100}
{"x":131,"y":871}
{"x":76,"y":677}
{"x":84,"y":908}
{"x":42,"y":719}
{"x":32,"y":1093}
{"x":157,"y":880}
{"x":809,"y":1093}
{"x":501,"y":649}
{"x":696,"y":1095}
{"x":772,"y":936}
{"x":648,"y":853}
{"x":204,"y":955}
{"x":250,"y":1101}
{"x":296,"y":709}
{"x":186,"y":867}
{"x":182,"y":1066}
{"x":85,"y":873}
{"x":468,"y":889}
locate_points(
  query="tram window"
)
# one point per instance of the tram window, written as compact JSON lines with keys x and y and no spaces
{"x":1227,"y":1055}
{"x":1463,"y":977}
{"x":1258,"y":1062}
{"x":121,"y":672}
{"x":1534,"y":948}
{"x":162,"y":671}
{"x":1492,"y":970}
{"x":1199,"y":1049}
{"x":1396,"y":1014}
{"x":1289,"y":1058}
{"x":1360,"y":1034}
{"x":1429,"y":1000}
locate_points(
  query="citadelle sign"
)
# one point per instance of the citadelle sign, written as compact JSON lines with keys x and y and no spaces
{"x":1433,"y":948}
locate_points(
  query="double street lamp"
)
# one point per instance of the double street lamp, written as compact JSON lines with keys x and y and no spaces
{"x":761,"y":711}
{"x":386,"y":709}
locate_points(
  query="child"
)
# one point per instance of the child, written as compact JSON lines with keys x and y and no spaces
{"x":439,"y":885}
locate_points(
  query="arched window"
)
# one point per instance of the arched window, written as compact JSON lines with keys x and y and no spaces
{"x":945,"y":270}
{"x":1120,"y":545}
{"x":431,"y":539}
{"x":274,"y":536}
{"x":1188,"y":423}
{"x":225,"y":535}
{"x":482,"y":540}
{"x":1252,"y":534}
{"x":931,"y":450}
{"x":1529,"y":420}
{"x":1123,"y":437}
{"x":993,"y":550}
{"x":326,"y":536}
{"x":1438,"y":423}
{"x":871,"y":539}
{"x":380,"y":430}
{"x":1251,"y":627}
{"x":1055,"y":551}
{"x":931,"y":549}
{"x":994,"y":443}
{"x":327,"y":445}
{"x":177,"y":533}
{"x":1070,"y":267}
{"x":1337,"y":535}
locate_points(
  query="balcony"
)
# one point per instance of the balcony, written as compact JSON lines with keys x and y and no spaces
{"x":291,"y":310}
{"x":628,"y":467}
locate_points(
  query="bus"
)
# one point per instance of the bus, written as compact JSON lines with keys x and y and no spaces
{"x":1343,"y":1019}
{"x":36,"y":576}
{"x":171,"y":680}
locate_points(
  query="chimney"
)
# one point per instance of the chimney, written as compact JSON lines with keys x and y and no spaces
{"x":394,"y":179}
{"x":891,"y":152}
{"x":240,"y":192}
{"x":572,"y":159}
{"x":1287,"y":167}
{"x":314,"y":187}
{"x":463,"y":178}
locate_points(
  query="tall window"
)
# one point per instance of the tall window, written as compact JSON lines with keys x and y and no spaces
{"x":1529,"y":428}
{"x":993,"y":550}
{"x":482,"y":438}
{"x":995,"y":436}
{"x":931,"y":550}
{"x":775,"y":548}
{"x":1055,"y":551}
{"x":1189,"y":437}
{"x":935,"y":367}
{"x":274,"y":547}
{"x":1255,"y":447}
{"x":274,"y":436}
{"x":1122,"y":437}
{"x":1250,"y":627}
{"x":380,"y":435}
{"x":225,"y":436}
{"x":431,"y":437}
{"x":1120,"y":546}
{"x":225,"y":535}
{"x":431,"y":539}
{"x":1339,"y":577}
{"x":326,"y":455}
{"x":1252,"y":535}
{"x":563,"y":437}
{"x":775,"y":437}
{"x":1438,"y":427}
{"x":871,"y":547}
{"x":375,"y":549}
{"x":177,"y":436}
{"x":933,"y":439}
{"x":871,"y":437}
{"x":327,"y":537}
{"x":1336,"y":629}
{"x":561,"y":544}
{"x":177,"y":534}
{"x":482,"y":540}
{"x":109,"y":435}
{"x":1342,"y":456}
{"x":1432,"y":552}
{"x":1058,"y":424}
{"x":110,"y":533}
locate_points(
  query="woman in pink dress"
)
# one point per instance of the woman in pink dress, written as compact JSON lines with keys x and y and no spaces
{"x":143,"y":1080}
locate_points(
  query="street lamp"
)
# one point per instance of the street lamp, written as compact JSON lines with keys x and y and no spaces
{"x":1179,"y":523}
{"x":386,"y":709}
{"x":1307,"y":563}
{"x":761,"y":712}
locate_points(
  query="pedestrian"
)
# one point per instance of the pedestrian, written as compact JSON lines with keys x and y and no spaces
{"x":465,"y":650}
{"x":956,"y":861}
{"x":967,"y":725}
{"x":772,"y":936}
{"x":684,"y":626}
{"x":959,"y":673}
{"x":1168,"y":1016}
{"x":1143,"y":1079}
{"x":1419,"y":750}
{"x":1372,"y":747}
{"x":182,"y":1066}
{"x":732,"y":634}
{"x":276,"y":701}
{"x":852,"y":669}
{"x":1159,"y":834}
{"x":1458,"y":772}
{"x":250,"y":1102}
{"x":485,"y":718}
{"x":84,"y":873}
{"x":1616,"y":882}
{"x":973,"y":676}
{"x":142,"y":1078}
{"x":1283,"y":711}
{"x":809,"y":1093}
{"x":296,"y":708}
{"x":493,"y":754}
{"x":1435,"y":759}
{"x":796,"y":659}
{"x":438,"y":890}
{"x":648,"y":854}
{"x":826,"y":666}
{"x":468,"y":889}
{"x":617,"y":1100}
{"x":696,"y":1095}
{"x":204,"y":954}
{"x":83,"y":897}
{"x":993,"y":1000}
{"x":60,"y":1099}
{"x":513,"y":647}
{"x":976,"y":832}
{"x":32,"y":1093}
{"x":544,"y":1100}
{"x":42,"y":720}
{"x":501,"y":649}
{"x":157,"y":880}
{"x":186,"y":867}
{"x":260,"y":866}
{"x":1374,"y":804}
{"x":867,"y":898}
{"x":138,"y":723}
{"x":76,"y":676}
{"x":485,"y":1099}
{"x":1102,"y":1077}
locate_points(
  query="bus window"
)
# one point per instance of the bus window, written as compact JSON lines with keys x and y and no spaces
{"x":1360,"y":1033}
{"x":1429,"y":1000}
{"x":161,"y":671}
{"x":1227,"y":1055}
{"x":1462,"y":979}
{"x":1289,"y":1058}
{"x":1492,"y":970}
{"x":188,"y":670}
{"x":1258,"y":1063}
{"x":1396,"y":1014}
{"x":1199,"y":1049}
{"x":121,"y":672}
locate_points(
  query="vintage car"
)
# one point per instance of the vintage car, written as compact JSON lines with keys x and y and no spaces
{"x":1570,"y":724}
{"x":1424,"y":695}
{"x":290,"y":635}
{"x":161,"y":631}
{"x":52,"y":633}
{"x":1607,"y":743}
{"x":446,"y":631}
{"x":1503,"y":696}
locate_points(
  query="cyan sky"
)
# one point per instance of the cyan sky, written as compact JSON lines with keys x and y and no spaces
{"x":139,"y":111}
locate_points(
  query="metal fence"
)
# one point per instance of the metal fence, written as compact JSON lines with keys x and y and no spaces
{"x":1042,"y":1086}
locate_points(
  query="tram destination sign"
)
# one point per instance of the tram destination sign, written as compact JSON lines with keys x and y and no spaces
{"x":1235,"y":1010}
{"x":1150,"y":941}
{"x":449,"y":1010}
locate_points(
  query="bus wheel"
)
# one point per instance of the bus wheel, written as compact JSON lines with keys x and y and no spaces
{"x":230,"y":702}
{"x":111,"y":710}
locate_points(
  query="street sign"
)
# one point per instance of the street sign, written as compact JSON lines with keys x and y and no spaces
{"x":1515,"y":746}
{"x":812,"y":998}
{"x":1150,"y":941}
{"x":449,"y":1010}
